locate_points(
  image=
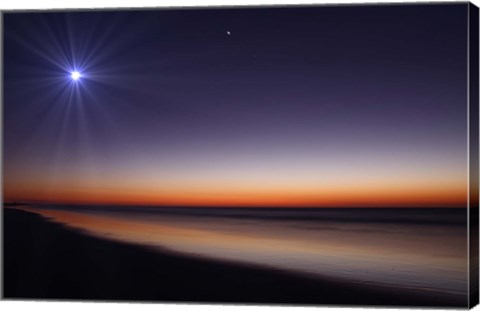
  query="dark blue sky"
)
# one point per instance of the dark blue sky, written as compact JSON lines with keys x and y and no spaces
{"x":237,"y":105}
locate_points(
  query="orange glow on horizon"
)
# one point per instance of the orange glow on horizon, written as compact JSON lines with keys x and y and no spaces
{"x":335,"y":196}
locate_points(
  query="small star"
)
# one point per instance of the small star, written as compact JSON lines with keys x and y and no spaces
{"x":228,"y":33}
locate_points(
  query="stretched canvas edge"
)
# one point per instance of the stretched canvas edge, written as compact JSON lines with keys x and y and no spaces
{"x":473,"y":161}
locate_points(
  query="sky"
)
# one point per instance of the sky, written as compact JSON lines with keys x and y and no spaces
{"x":333,"y":106}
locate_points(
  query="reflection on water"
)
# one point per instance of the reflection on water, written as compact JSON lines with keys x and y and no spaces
{"x":423,"y":249}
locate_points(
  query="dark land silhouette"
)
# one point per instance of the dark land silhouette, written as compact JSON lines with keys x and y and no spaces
{"x":45,"y":260}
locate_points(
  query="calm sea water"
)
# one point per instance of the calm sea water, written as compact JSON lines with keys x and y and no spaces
{"x":411,"y":248}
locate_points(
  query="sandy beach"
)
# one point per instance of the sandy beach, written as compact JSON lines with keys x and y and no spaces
{"x":45,"y":260}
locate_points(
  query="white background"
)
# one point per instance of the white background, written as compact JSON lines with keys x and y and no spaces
{"x":77,"y":306}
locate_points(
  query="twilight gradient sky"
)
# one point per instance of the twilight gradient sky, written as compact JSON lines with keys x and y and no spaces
{"x":318,"y":106}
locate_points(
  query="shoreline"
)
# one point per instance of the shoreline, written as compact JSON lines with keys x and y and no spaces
{"x":46,"y":260}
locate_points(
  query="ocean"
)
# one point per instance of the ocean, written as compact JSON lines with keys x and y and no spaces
{"x":416,"y":248}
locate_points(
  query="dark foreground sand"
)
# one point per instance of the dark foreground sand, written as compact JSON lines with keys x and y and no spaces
{"x":44,"y":260}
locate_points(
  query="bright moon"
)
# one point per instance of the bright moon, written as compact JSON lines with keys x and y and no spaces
{"x":76,"y":75}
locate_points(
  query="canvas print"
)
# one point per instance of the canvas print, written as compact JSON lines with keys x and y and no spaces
{"x":323,"y":155}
